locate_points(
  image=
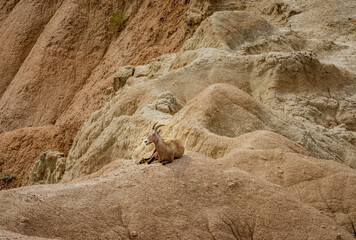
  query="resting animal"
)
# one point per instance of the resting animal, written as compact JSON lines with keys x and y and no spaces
{"x":165,"y":150}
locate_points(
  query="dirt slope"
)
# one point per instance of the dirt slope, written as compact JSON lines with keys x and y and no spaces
{"x":193,"y":198}
{"x":65,"y":46}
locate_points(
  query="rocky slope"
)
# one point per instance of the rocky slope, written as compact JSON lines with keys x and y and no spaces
{"x":261,"y":93}
{"x":19,"y":148}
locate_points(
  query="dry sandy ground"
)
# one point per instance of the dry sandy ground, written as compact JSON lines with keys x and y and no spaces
{"x":195,"y":197}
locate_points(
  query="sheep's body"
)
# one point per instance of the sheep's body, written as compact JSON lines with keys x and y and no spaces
{"x":165,"y":150}
{"x":169,"y":150}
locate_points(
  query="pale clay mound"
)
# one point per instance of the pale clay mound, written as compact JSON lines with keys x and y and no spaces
{"x":253,"y":93}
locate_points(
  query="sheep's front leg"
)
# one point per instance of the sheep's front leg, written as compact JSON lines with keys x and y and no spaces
{"x":149,"y":159}
{"x":154,"y":157}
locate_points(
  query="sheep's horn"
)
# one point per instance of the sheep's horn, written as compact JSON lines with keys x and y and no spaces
{"x":154,"y":126}
{"x":159,"y":126}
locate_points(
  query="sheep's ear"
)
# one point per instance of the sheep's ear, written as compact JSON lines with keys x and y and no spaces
{"x":159,"y":131}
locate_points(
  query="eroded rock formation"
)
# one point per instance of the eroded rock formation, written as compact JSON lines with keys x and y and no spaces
{"x":261,"y":93}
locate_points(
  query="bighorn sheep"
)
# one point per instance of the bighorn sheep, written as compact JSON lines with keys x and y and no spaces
{"x":165,"y":150}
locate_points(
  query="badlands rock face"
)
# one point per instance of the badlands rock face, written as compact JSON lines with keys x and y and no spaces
{"x":261,"y":93}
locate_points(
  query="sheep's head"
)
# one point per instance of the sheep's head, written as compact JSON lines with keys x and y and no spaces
{"x":154,"y":134}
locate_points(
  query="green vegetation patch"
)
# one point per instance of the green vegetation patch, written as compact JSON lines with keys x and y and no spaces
{"x":118,"y":21}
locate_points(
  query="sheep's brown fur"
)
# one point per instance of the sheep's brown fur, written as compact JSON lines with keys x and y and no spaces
{"x":165,"y":150}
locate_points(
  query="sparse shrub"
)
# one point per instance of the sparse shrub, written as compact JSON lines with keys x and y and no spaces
{"x":5,"y":177}
{"x":118,"y":21}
